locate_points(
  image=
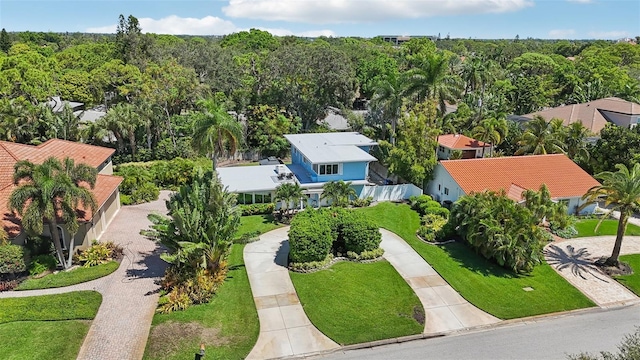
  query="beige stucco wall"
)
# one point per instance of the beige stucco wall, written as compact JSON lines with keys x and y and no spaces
{"x":107,"y":169}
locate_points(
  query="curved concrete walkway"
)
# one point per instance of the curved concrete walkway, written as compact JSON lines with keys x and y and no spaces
{"x":445,"y":310}
{"x":573,"y":259}
{"x":285,"y":329}
{"x":129,"y":295}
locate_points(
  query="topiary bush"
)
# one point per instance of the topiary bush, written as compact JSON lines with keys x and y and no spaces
{"x":359,"y":233}
{"x":12,"y":259}
{"x":42,"y":263}
{"x":310,"y":237}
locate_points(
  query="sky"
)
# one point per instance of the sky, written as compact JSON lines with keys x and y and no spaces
{"x":476,"y":19}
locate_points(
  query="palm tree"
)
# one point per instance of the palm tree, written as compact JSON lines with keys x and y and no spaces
{"x":388,"y":98}
{"x":214,"y":129}
{"x":49,"y":192}
{"x":123,"y":121}
{"x":339,"y":193}
{"x":576,"y":141}
{"x":288,"y":193}
{"x":491,"y":131}
{"x":541,"y":137}
{"x":622,"y":190}
{"x":431,"y":79}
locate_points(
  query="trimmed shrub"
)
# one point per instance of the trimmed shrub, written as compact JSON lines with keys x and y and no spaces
{"x":310,"y":237}
{"x":257,"y":209}
{"x":125,"y":199}
{"x":438,"y":211}
{"x":39,"y":245}
{"x":42,"y":263}
{"x":145,"y":193}
{"x":359,"y":233}
{"x":12,"y":259}
{"x":362,"y":202}
{"x":366,"y":255}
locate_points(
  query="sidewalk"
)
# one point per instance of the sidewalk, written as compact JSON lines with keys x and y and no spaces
{"x":445,"y":310}
{"x":573,"y":259}
{"x":285,"y":329}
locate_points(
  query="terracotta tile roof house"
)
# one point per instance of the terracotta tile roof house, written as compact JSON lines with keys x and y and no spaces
{"x":565,"y":180}
{"x":594,"y":115}
{"x":471,"y":148}
{"x":105,"y":190}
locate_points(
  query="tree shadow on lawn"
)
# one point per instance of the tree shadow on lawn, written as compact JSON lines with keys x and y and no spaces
{"x":469,"y":259}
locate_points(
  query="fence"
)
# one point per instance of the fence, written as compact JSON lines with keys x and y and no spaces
{"x":390,"y":192}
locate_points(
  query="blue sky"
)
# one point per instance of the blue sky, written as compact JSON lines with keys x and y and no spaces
{"x":570,"y":19}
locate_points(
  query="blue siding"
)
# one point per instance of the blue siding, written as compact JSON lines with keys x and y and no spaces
{"x":350,"y":171}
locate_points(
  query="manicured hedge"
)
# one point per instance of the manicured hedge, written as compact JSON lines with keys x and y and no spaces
{"x":257,"y":209}
{"x":310,"y":237}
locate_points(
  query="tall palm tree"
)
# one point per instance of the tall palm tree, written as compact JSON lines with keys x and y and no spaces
{"x":491,"y":131}
{"x":214,"y":129}
{"x":621,"y":189}
{"x":388,"y":97}
{"x":339,"y":193}
{"x":51,"y":192}
{"x":430,"y":79}
{"x":542,"y":137}
{"x":123,"y":120}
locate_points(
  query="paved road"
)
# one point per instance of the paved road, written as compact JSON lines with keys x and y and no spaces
{"x":544,"y":338}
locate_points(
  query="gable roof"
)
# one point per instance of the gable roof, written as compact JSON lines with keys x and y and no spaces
{"x":10,"y":153}
{"x":561,"y":175}
{"x":332,"y":147}
{"x":589,"y":113}
{"x":460,"y":142}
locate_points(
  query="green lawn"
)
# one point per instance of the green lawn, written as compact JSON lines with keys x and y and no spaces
{"x":46,"y":327}
{"x":586,"y":227}
{"x":256,"y":223}
{"x":228,"y":325}
{"x":66,"y":278}
{"x":353,"y":303}
{"x":632,"y":282}
{"x":484,"y":284}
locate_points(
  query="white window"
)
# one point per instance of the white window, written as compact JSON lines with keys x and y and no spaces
{"x":329,"y":169}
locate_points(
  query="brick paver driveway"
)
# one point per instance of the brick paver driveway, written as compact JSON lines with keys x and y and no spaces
{"x":130,"y":296}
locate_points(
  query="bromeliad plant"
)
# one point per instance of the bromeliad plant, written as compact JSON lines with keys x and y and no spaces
{"x":198,"y":235}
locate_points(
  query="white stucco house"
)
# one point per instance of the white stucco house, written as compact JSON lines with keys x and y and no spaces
{"x":566,"y":181}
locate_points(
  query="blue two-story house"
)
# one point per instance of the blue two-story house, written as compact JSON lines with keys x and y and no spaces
{"x":315,"y":160}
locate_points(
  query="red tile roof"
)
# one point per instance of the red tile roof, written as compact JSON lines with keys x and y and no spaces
{"x":589,"y":113}
{"x":81,"y":153}
{"x":91,"y":155}
{"x":460,"y":142}
{"x":561,"y":175}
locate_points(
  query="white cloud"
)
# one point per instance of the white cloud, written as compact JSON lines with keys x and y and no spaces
{"x":614,"y":34}
{"x":208,"y":25}
{"x":357,"y":11}
{"x":581,"y":1}
{"x":561,"y":33}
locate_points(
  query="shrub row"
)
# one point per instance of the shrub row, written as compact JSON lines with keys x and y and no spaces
{"x":315,"y":233}
{"x":424,"y":204}
{"x":257,"y":209}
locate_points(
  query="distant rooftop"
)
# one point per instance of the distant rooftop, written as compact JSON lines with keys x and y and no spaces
{"x":459,"y":142}
{"x":332,"y":147}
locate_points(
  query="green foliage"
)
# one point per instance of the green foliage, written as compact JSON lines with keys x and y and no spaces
{"x":359,"y":233}
{"x":287,"y":194}
{"x":499,"y":229}
{"x":198,"y":235}
{"x":413,"y":157}
{"x":366,"y":255}
{"x":266,"y":127}
{"x":42,"y":263}
{"x":99,"y":253}
{"x":38,"y":245}
{"x":12,"y":259}
{"x":431,"y":226}
{"x":310,"y":237}
{"x":257,"y":209}
{"x":544,"y":209}
{"x":339,"y":193}
{"x":145,"y":193}
{"x":311,"y":266}
{"x":360,"y":202}
{"x":616,"y":145}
